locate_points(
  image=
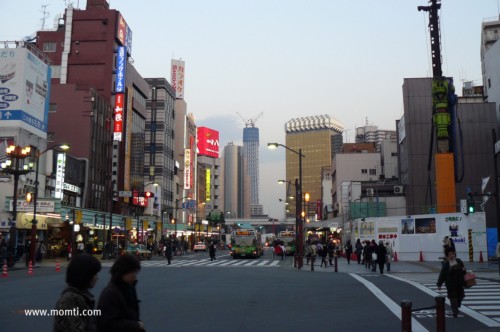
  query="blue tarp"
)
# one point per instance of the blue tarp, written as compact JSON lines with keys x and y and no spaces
{"x":491,"y":240}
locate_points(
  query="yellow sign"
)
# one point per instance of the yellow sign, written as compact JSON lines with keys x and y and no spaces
{"x":146,"y":224}
{"x":78,"y":216}
{"x":128,"y":223}
{"x":158,"y":226}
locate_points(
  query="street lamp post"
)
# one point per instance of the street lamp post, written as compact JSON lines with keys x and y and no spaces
{"x":299,"y":234}
{"x":19,"y":168}
{"x":35,"y":199}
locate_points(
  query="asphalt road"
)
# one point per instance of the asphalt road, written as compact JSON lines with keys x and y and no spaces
{"x":194,"y":294}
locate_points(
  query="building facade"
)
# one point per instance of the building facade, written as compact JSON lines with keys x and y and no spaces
{"x":318,"y":138}
{"x":473,"y":154}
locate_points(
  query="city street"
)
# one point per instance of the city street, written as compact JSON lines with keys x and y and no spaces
{"x":195,"y":294}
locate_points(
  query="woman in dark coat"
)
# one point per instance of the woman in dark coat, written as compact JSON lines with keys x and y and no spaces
{"x":359,"y":250}
{"x":452,"y":275}
{"x":348,"y":251}
{"x":118,"y":301}
{"x":81,"y":275}
{"x":381,"y":252}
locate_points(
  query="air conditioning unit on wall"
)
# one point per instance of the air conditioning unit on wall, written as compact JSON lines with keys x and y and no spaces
{"x":369,"y":191}
{"x":398,"y":190}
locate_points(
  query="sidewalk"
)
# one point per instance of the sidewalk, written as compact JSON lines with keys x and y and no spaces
{"x":482,"y":270}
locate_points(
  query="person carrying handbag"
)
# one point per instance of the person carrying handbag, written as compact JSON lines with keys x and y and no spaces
{"x":452,"y":275}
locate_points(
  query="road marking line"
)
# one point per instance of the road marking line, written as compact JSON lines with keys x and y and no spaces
{"x":388,"y":302}
{"x":474,"y":314}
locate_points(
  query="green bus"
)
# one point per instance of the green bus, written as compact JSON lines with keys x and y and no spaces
{"x":246,"y":243}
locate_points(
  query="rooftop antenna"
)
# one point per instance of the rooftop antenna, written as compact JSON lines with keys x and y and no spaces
{"x":45,"y":15}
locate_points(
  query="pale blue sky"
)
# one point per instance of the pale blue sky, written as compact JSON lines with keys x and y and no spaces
{"x":287,"y":59}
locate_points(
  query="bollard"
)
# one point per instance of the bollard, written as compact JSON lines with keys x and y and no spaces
{"x":312,"y":263}
{"x":440,"y":314}
{"x":295,"y":260}
{"x":335,"y":260}
{"x":405,"y":316}
{"x":421,"y":257}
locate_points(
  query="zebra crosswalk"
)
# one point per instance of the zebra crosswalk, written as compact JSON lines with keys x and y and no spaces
{"x":482,"y":301}
{"x":206,"y":263}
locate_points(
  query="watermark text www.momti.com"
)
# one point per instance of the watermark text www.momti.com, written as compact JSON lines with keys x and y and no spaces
{"x":62,"y":312}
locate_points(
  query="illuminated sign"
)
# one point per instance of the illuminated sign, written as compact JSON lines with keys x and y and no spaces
{"x":118,"y":117}
{"x":121,"y":68}
{"x":286,"y":234}
{"x":244,"y":232}
{"x":187,"y":169}
{"x":208,"y":142}
{"x":61,"y":164}
{"x":121,"y":29}
{"x":207,"y":185}
{"x":177,"y":78}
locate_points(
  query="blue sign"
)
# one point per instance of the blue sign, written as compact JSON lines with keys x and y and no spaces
{"x":120,"y":69}
{"x":4,"y":91}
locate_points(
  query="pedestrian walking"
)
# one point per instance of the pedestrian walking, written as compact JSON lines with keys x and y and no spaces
{"x":348,"y":251}
{"x":367,"y":255}
{"x":118,"y":300}
{"x":309,"y":251}
{"x":168,"y":250}
{"x":452,"y":275}
{"x":41,"y":251}
{"x":359,"y":250}
{"x":381,"y":256}
{"x":373,"y":253}
{"x":211,"y":251}
{"x":330,"y":248}
{"x":322,"y":253}
{"x":81,"y":276}
{"x":389,"y":257}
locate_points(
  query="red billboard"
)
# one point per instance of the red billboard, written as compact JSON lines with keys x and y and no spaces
{"x":208,"y":142}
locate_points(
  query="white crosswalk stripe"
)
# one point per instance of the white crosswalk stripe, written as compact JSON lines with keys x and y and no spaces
{"x":483,"y":298}
{"x":205,"y":263}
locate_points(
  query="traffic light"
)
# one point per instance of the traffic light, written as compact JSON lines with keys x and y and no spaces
{"x":148,"y":194}
{"x":470,"y":204}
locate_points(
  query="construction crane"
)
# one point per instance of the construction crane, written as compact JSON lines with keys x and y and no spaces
{"x":443,"y":109}
{"x":250,"y":123}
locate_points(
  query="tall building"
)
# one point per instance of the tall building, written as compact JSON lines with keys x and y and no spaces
{"x":209,"y":173}
{"x":159,"y":166}
{"x":490,"y":62}
{"x":319,"y":138}
{"x":251,"y":152}
{"x":236,"y":183}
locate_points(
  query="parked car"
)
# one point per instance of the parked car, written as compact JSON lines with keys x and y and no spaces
{"x":140,"y":250}
{"x":200,"y":246}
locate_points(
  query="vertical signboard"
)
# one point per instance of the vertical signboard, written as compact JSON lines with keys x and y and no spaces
{"x":60,"y":166}
{"x":121,"y":67}
{"x":118,"y":119}
{"x":177,"y":78}
{"x":123,"y":33}
{"x":187,"y":168}
{"x":207,"y":185}
{"x":24,"y":91}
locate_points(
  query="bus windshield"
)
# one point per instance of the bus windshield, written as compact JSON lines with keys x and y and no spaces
{"x":243,"y":240}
